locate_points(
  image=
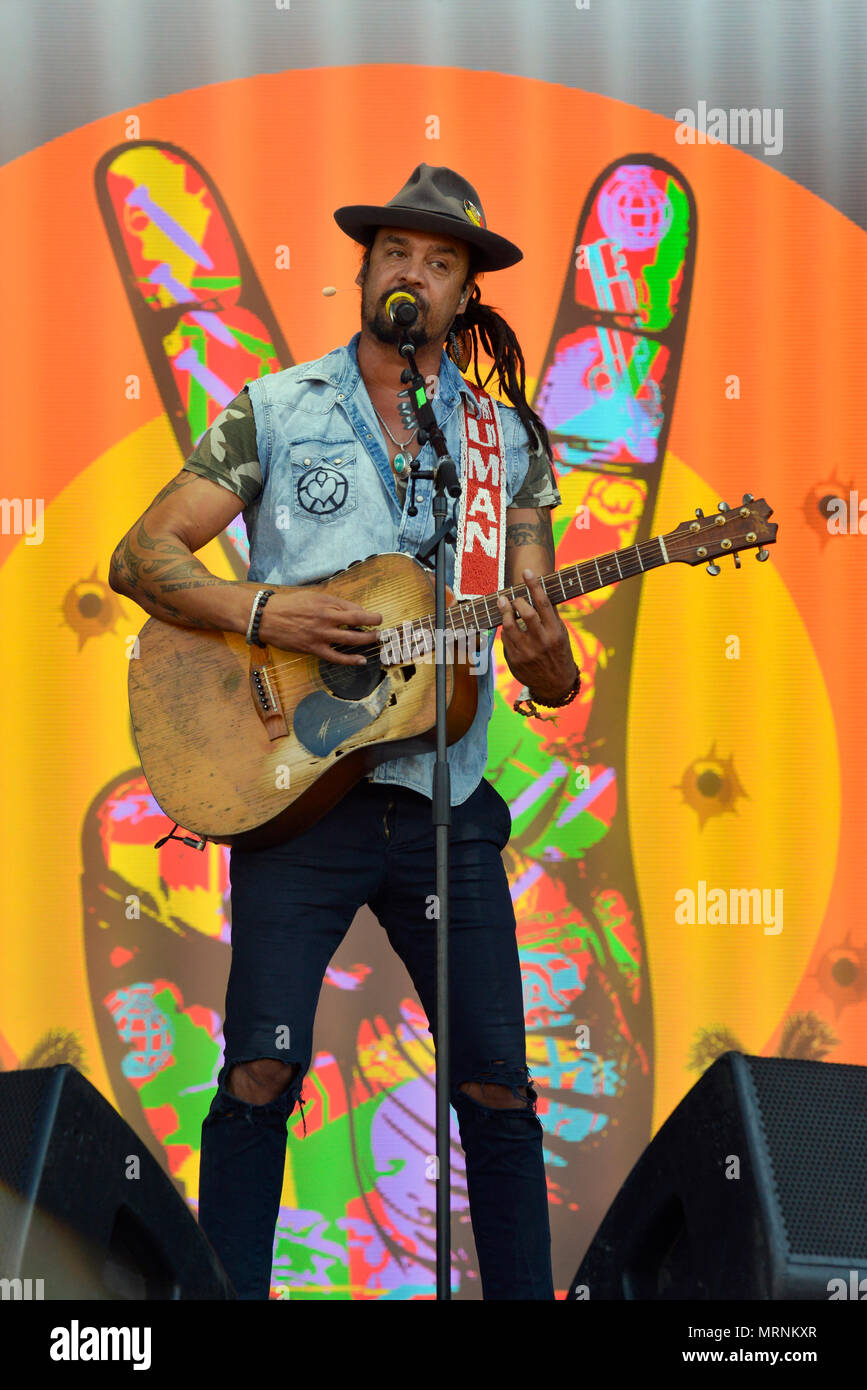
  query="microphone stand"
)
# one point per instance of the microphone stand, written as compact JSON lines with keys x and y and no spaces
{"x":445,"y":478}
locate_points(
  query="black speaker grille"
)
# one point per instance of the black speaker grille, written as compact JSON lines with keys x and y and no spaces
{"x":68,"y":1212}
{"x":814,"y":1118}
{"x":23,"y":1093}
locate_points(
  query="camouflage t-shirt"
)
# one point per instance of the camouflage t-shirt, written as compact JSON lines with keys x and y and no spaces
{"x":227,"y":454}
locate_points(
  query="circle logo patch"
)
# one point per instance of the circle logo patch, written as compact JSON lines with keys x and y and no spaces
{"x":322,"y":491}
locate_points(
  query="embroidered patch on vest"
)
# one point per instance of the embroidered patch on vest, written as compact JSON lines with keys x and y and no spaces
{"x":322,"y":490}
{"x":481,"y":548}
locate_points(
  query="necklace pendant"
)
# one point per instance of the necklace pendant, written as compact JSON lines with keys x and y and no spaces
{"x":399,"y":462}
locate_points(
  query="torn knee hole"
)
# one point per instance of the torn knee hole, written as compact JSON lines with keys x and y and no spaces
{"x":264,"y":1076}
{"x":497,"y":1095}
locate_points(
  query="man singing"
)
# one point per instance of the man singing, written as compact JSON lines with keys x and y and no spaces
{"x":317,"y":457}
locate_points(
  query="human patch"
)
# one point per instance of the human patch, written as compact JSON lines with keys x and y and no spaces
{"x":481,"y":549}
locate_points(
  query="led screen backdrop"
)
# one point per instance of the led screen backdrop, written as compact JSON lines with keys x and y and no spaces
{"x":689,"y":318}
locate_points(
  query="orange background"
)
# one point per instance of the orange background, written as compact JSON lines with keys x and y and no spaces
{"x":779,"y":299}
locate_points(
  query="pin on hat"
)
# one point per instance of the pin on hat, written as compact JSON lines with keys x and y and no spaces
{"x":434,"y":199}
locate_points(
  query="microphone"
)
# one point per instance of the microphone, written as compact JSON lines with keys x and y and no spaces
{"x":402,"y":308}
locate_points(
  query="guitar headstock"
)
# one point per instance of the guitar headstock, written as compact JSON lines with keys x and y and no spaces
{"x":726,"y":532}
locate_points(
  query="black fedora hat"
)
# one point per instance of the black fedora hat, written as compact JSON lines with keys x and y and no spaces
{"x":434,"y":199}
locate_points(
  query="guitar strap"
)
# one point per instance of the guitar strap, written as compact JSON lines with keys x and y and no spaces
{"x":481,"y":546}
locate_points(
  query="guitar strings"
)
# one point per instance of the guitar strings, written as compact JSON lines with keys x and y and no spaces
{"x":345,"y":670}
{"x":425,"y":620}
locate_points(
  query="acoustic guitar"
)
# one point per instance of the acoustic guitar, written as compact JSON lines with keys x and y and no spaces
{"x":247,"y":746}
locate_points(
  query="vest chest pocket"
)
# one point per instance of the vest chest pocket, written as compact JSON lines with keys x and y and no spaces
{"x":324,"y":481}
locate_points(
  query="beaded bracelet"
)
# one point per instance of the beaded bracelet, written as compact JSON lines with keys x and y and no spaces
{"x":259,"y":602}
{"x":525,"y":698}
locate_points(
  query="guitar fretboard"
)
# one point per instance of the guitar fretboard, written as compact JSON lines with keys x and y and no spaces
{"x":479,"y":614}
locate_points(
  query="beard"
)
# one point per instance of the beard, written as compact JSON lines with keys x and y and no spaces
{"x":375,"y":318}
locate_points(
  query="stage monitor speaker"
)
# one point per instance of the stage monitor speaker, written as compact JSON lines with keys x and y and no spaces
{"x":754,"y":1188}
{"x":86,"y":1212}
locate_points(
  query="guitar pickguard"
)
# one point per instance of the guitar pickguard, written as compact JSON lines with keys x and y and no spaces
{"x":323,"y":721}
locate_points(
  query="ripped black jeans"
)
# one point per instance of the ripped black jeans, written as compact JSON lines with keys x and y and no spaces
{"x":291,"y":907}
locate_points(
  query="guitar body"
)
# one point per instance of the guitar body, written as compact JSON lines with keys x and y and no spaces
{"x":247,"y":746}
{"x":221,"y":765}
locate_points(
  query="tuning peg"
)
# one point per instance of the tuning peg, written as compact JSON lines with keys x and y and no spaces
{"x":763,"y":554}
{"x":722,"y":506}
{"x":737,"y":559}
{"x":712,"y":568}
{"x":748,"y":497}
{"x":699,"y":512}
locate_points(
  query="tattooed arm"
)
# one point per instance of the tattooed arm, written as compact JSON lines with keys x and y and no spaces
{"x":529,"y":542}
{"x":540,"y":656}
{"x":154,"y":564}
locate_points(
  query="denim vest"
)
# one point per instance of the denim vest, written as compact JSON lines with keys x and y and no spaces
{"x":329,"y":497}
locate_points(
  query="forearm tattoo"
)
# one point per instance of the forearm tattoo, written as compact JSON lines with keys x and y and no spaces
{"x":150,"y":567}
{"x":536,"y":532}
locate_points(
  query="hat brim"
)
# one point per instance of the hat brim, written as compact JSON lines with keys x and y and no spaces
{"x":492,"y":252}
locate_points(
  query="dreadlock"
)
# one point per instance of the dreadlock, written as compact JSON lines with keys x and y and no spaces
{"x":480,"y":326}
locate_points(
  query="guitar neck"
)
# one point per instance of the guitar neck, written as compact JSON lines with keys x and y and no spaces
{"x":565,"y":584}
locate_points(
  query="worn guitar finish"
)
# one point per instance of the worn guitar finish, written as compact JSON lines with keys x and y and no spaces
{"x":247,"y":746}
{"x":218,"y":764}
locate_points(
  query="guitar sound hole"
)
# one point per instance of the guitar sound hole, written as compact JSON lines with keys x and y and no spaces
{"x":353,"y":682}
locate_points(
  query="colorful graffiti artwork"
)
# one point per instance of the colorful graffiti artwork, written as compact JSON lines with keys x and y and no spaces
{"x":671,"y":760}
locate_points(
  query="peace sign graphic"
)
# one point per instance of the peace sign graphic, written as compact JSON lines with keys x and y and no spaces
{"x":677,"y":359}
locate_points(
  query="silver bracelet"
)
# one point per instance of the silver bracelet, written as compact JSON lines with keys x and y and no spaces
{"x":253,"y":616}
